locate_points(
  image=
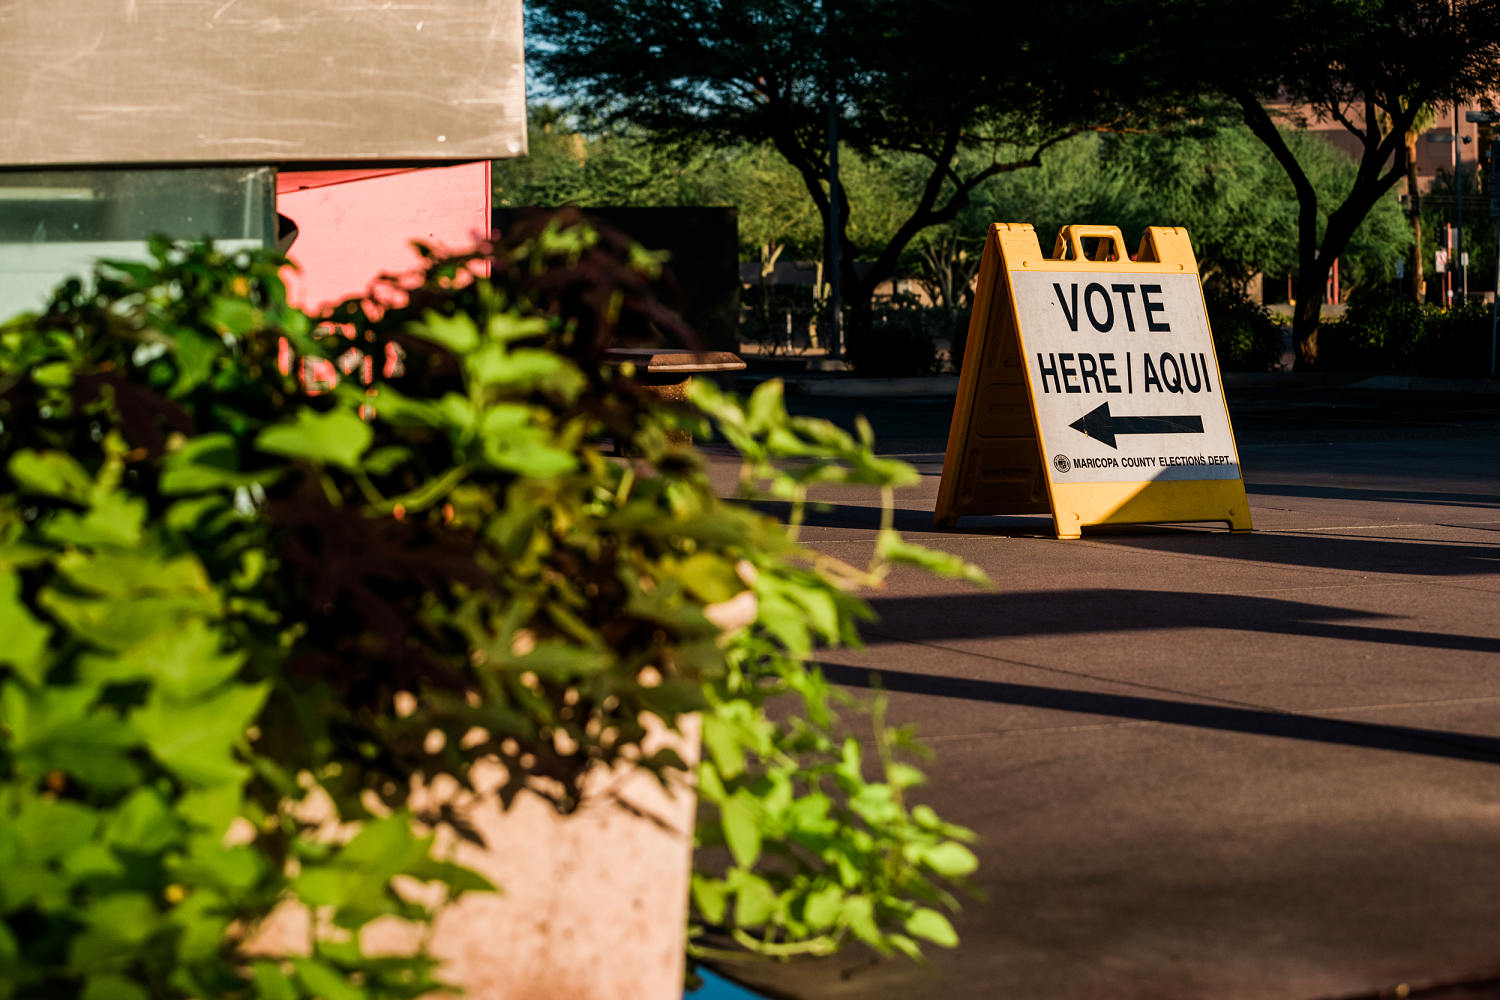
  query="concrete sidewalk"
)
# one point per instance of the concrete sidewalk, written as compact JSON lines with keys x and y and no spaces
{"x":1206,"y":765}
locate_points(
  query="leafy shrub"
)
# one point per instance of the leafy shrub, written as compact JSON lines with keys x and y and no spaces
{"x":1247,"y":337}
{"x":899,"y":341}
{"x":1382,"y":330}
{"x":1458,"y":342}
{"x":225,"y":599}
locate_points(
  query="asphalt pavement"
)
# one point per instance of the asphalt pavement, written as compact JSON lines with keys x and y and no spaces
{"x":1203,"y":764}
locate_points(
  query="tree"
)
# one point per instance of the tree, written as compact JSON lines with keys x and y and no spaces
{"x":1421,"y":123}
{"x":1212,"y":177}
{"x":917,"y":80}
{"x":1370,"y":66}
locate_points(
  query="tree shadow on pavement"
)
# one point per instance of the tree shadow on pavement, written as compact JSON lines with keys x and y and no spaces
{"x":907,"y":520}
{"x":1305,"y":549}
{"x":1226,"y":718}
{"x":1324,"y":551}
{"x":1361,"y":495}
{"x":1083,"y":611}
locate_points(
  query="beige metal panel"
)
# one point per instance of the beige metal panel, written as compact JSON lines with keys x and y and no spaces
{"x":264,"y":81}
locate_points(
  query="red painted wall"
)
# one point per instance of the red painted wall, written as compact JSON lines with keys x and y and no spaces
{"x":357,"y":224}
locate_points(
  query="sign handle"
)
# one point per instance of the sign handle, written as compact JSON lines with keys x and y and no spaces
{"x":1069,"y":246}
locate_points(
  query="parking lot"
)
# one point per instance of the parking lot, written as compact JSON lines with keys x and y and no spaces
{"x":1204,"y":764}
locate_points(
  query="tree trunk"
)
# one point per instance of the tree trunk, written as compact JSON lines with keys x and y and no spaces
{"x":1414,"y":209}
{"x":859,"y":320}
{"x":1307,"y":313}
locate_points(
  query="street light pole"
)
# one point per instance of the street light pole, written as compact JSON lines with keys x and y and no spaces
{"x":835,"y":305}
{"x":835,"y":323}
{"x":1458,"y":228}
{"x":1494,"y":214}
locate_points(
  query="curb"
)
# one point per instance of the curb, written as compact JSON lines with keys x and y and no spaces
{"x":843,"y":385}
{"x":1419,"y":383}
{"x":837,"y":385}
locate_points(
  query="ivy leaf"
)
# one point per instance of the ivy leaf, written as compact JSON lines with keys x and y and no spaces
{"x":710,"y":577}
{"x":401,"y":410}
{"x":195,"y":740}
{"x":754,"y":901}
{"x":184,"y":662}
{"x":55,"y":729}
{"x":456,"y":878}
{"x":10,"y":951}
{"x":950,"y":859}
{"x":25,"y":644}
{"x":337,"y":437}
{"x":119,"y":624}
{"x":495,"y":367}
{"x":326,"y":982}
{"x":232,"y":315}
{"x":457,"y":332}
{"x":905,"y":946}
{"x":38,"y":887}
{"x":51,"y":473}
{"x":710,"y":896}
{"x":55,"y":375}
{"x":202,"y":921}
{"x":859,"y":915}
{"x":528,"y":455}
{"x":822,"y":908}
{"x":505,"y":327}
{"x":766,"y":409}
{"x":355,"y":878}
{"x":384,"y":461}
{"x":210,"y":809}
{"x":234,"y":870}
{"x":93,"y":862}
{"x":50,"y":828}
{"x":208,"y":462}
{"x":112,"y":987}
{"x":933,"y":926}
{"x":195,"y":353}
{"x":143,"y":823}
{"x":270,"y":984}
{"x":125,"y":574}
{"x":891,"y":546}
{"x":741,"y":831}
{"x":116,"y":926}
{"x":723,"y":746}
{"x":114,"y":520}
{"x":905,"y":775}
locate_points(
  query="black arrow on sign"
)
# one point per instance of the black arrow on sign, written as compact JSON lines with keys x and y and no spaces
{"x":1097,"y":423}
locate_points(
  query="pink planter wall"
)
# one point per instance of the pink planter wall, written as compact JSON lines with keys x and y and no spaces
{"x":356,"y":224}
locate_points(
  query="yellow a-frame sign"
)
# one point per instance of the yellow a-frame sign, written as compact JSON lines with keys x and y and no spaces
{"x":1090,"y":389}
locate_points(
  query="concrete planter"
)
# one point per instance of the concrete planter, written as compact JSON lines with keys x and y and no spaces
{"x":592,"y":906}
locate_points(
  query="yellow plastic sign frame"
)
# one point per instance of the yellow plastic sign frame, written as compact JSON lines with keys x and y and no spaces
{"x":994,"y":462}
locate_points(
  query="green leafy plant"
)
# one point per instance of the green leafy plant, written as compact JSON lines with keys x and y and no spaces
{"x":900,"y":340}
{"x":149,"y":818}
{"x":1247,"y":337}
{"x":823,"y":843}
{"x":1459,"y":341}
{"x":1384,"y":330}
{"x":249,"y":622}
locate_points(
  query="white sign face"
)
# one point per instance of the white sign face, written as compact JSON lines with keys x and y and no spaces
{"x":1123,"y":377}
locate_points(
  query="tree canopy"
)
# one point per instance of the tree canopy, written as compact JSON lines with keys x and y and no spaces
{"x":1370,"y":66}
{"x":921,"y":81}
{"x":946,"y":109}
